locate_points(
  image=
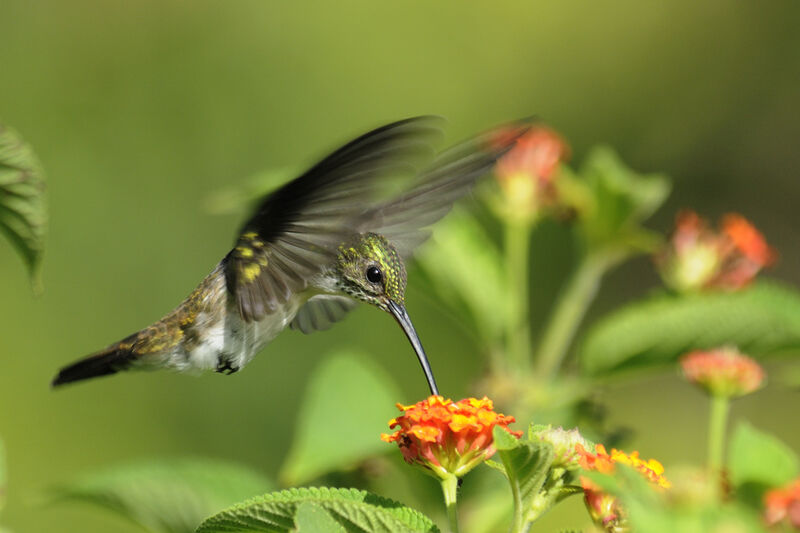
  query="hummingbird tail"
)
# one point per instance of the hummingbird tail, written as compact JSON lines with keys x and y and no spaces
{"x":109,"y":361}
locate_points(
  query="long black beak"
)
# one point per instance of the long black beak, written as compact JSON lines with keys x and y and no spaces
{"x":400,"y":314}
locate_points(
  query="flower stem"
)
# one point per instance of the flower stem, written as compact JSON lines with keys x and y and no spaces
{"x":450,"y":490}
{"x":570,"y":309}
{"x":716,"y":432}
{"x":517,"y":237}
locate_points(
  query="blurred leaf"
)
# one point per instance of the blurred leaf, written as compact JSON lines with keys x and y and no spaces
{"x":167,"y":496}
{"x":655,"y":332}
{"x":526,"y":466}
{"x":356,"y":510}
{"x":652,"y":511}
{"x":466,"y":271}
{"x":757,"y":457}
{"x":346,"y":407}
{"x":23,"y":216}
{"x":237,"y":199}
{"x":313,"y":518}
{"x":622,"y":200}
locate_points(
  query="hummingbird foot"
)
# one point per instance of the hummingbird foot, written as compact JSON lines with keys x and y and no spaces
{"x":224,"y":365}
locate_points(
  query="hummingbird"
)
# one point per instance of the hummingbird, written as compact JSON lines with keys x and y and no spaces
{"x":335,"y":236}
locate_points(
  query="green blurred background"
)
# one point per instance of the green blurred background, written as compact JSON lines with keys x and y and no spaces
{"x":141,"y":110}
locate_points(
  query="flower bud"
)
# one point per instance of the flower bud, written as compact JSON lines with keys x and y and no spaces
{"x":723,"y":372}
{"x":565,"y":445}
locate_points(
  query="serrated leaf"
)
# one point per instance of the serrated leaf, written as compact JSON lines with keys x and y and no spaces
{"x":466,"y":271}
{"x":23,"y":216}
{"x":167,"y":496}
{"x":358,"y":511}
{"x":495,"y":466}
{"x":503,"y":440}
{"x":757,"y":457}
{"x":655,"y":332}
{"x":622,"y":198}
{"x":342,"y":414}
{"x":313,"y":518}
{"x":526,"y":464}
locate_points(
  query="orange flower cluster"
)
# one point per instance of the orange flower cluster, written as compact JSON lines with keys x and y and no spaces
{"x":526,"y":172}
{"x":602,"y":461}
{"x":697,"y":257}
{"x":783,"y":505}
{"x":604,"y":508}
{"x":446,"y":437}
{"x":723,"y":371}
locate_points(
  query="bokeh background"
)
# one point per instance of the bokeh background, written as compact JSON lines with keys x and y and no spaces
{"x":139,"y":111}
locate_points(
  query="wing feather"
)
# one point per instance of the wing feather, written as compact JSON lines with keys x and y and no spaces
{"x":294,"y":232}
{"x":321,"y":312}
{"x":404,"y":219}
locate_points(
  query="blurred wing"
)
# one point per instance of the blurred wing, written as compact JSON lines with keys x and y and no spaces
{"x":294,"y":233}
{"x":404,"y":220}
{"x":321,"y":312}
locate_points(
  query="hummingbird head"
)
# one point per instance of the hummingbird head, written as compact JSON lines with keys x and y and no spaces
{"x":370,"y":269}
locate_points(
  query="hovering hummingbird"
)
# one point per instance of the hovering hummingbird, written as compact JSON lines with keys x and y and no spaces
{"x":313,"y":248}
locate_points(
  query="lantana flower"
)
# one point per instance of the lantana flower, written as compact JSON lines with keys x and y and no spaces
{"x":783,"y":505}
{"x":723,"y":372}
{"x":526,"y":172}
{"x":604,"y":508}
{"x":746,"y":252}
{"x":698,"y":257}
{"x":447,"y":438}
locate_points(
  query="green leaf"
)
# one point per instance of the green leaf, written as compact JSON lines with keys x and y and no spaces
{"x":23,"y":216}
{"x":526,"y":464}
{"x":622,"y":200}
{"x":474,"y":279}
{"x":313,"y":518}
{"x":757,"y":457}
{"x":167,"y":496}
{"x":355,"y":510}
{"x":655,"y":332}
{"x":346,"y":407}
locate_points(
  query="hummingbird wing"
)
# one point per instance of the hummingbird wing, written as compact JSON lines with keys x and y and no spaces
{"x":404,"y":220}
{"x":295,"y":231}
{"x":321,"y":312}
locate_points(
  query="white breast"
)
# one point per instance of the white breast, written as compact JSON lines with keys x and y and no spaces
{"x":229,"y":339}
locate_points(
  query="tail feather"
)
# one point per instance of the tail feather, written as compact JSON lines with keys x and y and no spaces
{"x":109,"y":361}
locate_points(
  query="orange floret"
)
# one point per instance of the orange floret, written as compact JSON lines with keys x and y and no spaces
{"x":603,"y":507}
{"x":783,"y":505}
{"x":748,"y":240}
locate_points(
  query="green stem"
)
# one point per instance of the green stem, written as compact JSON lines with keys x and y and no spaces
{"x":517,"y":236}
{"x":716,"y":432}
{"x":570,"y":309}
{"x":519,"y":512}
{"x":450,"y":490}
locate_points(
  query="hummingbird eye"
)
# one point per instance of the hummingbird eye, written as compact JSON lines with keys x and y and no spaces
{"x":374,"y":274}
